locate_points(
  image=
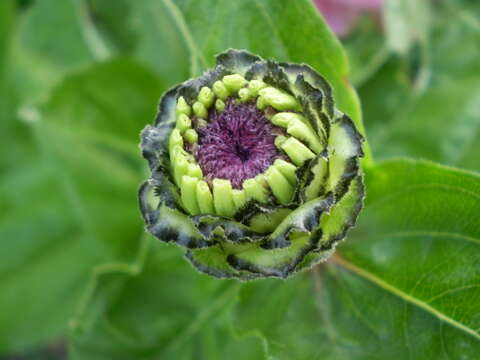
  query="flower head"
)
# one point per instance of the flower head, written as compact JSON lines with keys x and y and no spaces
{"x":253,"y":170}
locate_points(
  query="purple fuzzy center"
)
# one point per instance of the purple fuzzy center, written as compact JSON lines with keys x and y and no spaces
{"x":237,"y":144}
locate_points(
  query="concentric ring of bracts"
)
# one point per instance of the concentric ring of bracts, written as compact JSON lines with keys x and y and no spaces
{"x":280,"y":232}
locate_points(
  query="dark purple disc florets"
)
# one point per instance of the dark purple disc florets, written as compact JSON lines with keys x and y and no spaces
{"x":237,"y":144}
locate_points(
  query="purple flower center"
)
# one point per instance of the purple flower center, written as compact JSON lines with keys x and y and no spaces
{"x":237,"y":144}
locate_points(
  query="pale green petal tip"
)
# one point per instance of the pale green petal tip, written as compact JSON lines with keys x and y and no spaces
{"x":255,"y":86}
{"x":220,"y":90}
{"x":255,"y":189}
{"x":191,"y":136}
{"x":279,"y":140}
{"x":206,"y":96}
{"x":239,"y":198}
{"x":297,"y":151}
{"x":283,"y":119}
{"x":281,"y":187}
{"x":301,"y":131}
{"x":223,"y":198}
{"x":287,"y":169}
{"x":244,"y":94}
{"x":234,"y":82}
{"x":183,"y":107}
{"x":201,"y":122}
{"x":204,"y":198}
{"x":188,"y":189}
{"x":183,"y":123}
{"x":219,"y":105}
{"x":175,"y":139}
{"x":278,"y":99}
{"x":194,"y":170}
{"x":200,"y":110}
{"x":261,"y":103}
{"x":180,"y":168}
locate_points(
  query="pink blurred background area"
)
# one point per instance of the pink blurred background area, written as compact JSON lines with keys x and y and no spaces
{"x":342,"y":15}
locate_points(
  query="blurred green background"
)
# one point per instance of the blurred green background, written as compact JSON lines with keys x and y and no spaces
{"x":79,"y":79}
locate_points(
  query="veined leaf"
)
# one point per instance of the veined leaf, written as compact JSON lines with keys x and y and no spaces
{"x":69,"y":203}
{"x":158,"y":308}
{"x":41,"y":54}
{"x":143,"y":29}
{"x":406,"y":286}
{"x":442,"y":122}
{"x":421,"y":237}
{"x":280,"y":29}
{"x":402,"y":286}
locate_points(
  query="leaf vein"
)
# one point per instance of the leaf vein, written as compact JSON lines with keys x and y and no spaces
{"x":179,"y":19}
{"x":404,"y":296}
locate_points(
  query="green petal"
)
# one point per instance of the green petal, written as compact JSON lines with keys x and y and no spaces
{"x":345,"y":147}
{"x":297,"y":151}
{"x":281,"y":188}
{"x":270,"y":73}
{"x":316,"y":178}
{"x":287,"y":169}
{"x":204,"y":198}
{"x":272,"y":262}
{"x":223,"y":197}
{"x":313,"y":105}
{"x":169,"y":224}
{"x":265,"y":222}
{"x":221,"y":228}
{"x":234,"y":82}
{"x":312,"y":77}
{"x":188,"y":189}
{"x":253,"y":208}
{"x":305,"y":219}
{"x":190,"y":89}
{"x":278,"y":99}
{"x":343,"y":215}
{"x":212,"y":261}
{"x":154,"y":139}
{"x":337,"y":223}
{"x":237,"y":61}
{"x":287,"y":246}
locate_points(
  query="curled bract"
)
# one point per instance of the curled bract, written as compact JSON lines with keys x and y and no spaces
{"x":254,"y":172}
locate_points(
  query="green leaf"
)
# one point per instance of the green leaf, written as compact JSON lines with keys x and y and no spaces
{"x":334,"y":314}
{"x":419,"y":237}
{"x":405,"y":284}
{"x":272,"y":29}
{"x":160,"y":44}
{"x":442,"y":121}
{"x":89,"y":132}
{"x":158,"y":308}
{"x":69,"y":203}
{"x":41,"y":276}
{"x":7,"y":19}
{"x":112,"y":22}
{"x":8,"y":125}
{"x":405,"y":22}
{"x":366,"y":51}
{"x":142,"y":29}
{"x":41,"y":54}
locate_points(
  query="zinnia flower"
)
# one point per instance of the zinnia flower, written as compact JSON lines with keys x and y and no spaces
{"x":254,"y":172}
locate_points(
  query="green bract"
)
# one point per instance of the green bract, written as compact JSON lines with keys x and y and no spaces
{"x":279,"y":222}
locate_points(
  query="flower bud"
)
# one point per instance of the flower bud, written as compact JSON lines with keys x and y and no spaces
{"x":254,"y":176}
